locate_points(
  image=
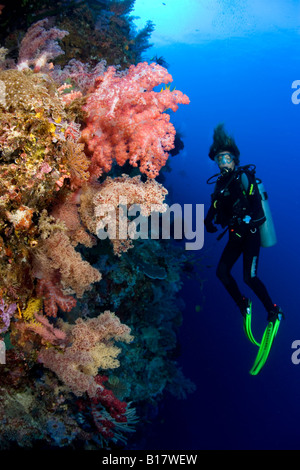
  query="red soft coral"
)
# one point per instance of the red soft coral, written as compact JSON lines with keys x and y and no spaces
{"x":53,"y":297}
{"x":107,"y":410}
{"x":127,"y":120}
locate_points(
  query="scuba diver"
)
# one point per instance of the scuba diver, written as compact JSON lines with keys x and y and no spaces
{"x":238,"y":204}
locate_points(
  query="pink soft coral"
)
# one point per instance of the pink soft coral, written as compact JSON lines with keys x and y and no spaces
{"x":44,"y":329}
{"x":57,"y":254}
{"x":39,"y":45}
{"x":127,"y":120}
{"x":91,"y":346}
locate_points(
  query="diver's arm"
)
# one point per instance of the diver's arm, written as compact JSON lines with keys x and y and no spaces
{"x":208,"y":221}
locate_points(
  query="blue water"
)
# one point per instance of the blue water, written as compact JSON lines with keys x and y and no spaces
{"x":246,"y":83}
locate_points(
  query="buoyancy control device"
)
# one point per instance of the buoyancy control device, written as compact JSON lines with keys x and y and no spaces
{"x":267,"y":229}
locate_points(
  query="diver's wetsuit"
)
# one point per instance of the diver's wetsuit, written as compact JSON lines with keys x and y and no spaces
{"x":249,"y":246}
{"x":230,"y":203}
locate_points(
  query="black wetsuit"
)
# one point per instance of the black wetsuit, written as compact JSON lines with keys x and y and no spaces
{"x":232,"y":201}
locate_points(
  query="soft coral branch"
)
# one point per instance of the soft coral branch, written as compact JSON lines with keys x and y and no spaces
{"x":54,"y":297}
{"x":127,"y":120}
{"x":39,"y":45}
{"x":91,"y":346}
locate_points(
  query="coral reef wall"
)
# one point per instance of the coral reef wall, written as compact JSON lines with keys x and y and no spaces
{"x":88,"y":321}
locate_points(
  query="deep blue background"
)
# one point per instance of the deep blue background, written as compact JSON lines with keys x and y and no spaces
{"x":246,"y":83}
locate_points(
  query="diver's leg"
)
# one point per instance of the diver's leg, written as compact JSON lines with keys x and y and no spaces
{"x":230,"y":255}
{"x":250,"y":262}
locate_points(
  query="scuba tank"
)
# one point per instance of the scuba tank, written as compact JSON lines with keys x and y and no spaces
{"x":267,"y":229}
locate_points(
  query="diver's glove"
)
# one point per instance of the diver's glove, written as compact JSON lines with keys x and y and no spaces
{"x":247,"y":219}
{"x":210,"y":227}
{"x":208,"y":221}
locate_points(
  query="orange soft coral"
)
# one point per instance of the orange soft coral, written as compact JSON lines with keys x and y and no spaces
{"x":112,"y":193}
{"x":127,"y":120}
{"x":57,"y":254}
{"x":67,"y":211}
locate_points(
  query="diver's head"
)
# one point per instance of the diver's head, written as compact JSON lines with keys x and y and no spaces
{"x":223,"y":144}
{"x":225,"y":161}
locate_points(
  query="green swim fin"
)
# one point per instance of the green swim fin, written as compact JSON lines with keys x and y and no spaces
{"x":247,"y":325}
{"x":265,"y":346}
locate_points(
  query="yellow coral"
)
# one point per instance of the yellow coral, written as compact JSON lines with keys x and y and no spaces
{"x":52,"y":128}
{"x":25,"y":90}
{"x":77,"y":162}
{"x":34,"y":305}
{"x":105,"y":356}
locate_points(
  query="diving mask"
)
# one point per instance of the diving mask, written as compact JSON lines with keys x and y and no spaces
{"x":223,"y":158}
